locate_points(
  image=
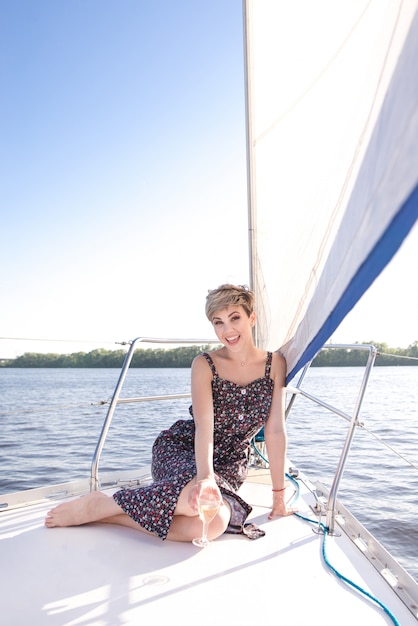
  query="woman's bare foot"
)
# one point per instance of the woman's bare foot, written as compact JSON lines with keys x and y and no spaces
{"x":94,"y":507}
{"x":67,"y":514}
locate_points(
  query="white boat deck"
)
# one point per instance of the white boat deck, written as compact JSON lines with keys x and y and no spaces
{"x":105,"y":575}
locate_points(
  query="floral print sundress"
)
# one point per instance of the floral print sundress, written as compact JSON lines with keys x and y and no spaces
{"x":239,"y":413}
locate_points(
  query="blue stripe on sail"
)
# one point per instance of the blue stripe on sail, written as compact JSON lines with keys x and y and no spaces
{"x":375,"y":262}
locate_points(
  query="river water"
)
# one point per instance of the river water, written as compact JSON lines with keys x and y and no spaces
{"x":51,"y":420}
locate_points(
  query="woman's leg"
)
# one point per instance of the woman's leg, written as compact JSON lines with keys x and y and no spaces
{"x":97,"y":507}
{"x":186,"y":525}
{"x":94,"y":507}
{"x":187,"y":528}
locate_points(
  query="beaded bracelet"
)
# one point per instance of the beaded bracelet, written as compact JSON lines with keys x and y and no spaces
{"x":278,"y":490}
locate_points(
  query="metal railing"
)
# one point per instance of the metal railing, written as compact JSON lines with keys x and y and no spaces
{"x":353,"y":419}
{"x":94,"y":472}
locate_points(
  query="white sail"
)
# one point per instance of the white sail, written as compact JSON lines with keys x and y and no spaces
{"x":332,"y":109}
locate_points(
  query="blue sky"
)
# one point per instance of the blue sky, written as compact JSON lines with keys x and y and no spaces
{"x":123,"y":183}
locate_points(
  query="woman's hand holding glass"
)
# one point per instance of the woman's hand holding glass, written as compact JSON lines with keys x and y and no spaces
{"x":208,"y":507}
{"x":208,"y":500}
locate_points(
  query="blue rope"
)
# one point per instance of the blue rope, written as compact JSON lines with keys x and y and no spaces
{"x":324,"y":554}
{"x":341,"y":576}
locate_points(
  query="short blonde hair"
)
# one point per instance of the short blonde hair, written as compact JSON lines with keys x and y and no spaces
{"x":229,"y":295}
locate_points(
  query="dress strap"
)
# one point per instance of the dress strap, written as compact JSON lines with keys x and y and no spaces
{"x":268,"y":363}
{"x":211,"y":363}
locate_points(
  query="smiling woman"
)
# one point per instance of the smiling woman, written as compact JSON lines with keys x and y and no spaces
{"x":236,"y":391}
{"x":231,"y":311}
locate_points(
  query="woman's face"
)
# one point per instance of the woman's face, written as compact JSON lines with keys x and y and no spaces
{"x":233,"y":326}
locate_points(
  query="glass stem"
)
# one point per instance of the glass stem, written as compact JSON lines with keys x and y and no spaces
{"x":205,"y":531}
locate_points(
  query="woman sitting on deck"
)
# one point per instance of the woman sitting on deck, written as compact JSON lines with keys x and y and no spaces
{"x":236,"y":390}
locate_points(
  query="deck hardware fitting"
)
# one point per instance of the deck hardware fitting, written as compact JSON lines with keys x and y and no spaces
{"x":57,"y":495}
{"x":389,"y":577}
{"x":362,"y":545}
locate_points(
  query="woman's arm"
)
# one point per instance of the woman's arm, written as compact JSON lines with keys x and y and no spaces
{"x":276,"y":439}
{"x":202,"y":402}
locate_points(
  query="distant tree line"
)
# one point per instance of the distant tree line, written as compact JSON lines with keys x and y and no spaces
{"x":336,"y":357}
{"x":172,"y":357}
{"x":183,"y":357}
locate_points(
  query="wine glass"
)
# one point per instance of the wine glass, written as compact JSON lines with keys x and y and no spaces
{"x":208,"y":507}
